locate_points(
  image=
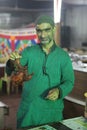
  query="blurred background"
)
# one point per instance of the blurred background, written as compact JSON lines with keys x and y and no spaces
{"x":21,"y":13}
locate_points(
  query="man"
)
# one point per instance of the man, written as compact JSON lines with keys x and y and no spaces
{"x":53,"y":78}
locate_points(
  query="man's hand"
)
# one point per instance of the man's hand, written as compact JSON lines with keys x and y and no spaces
{"x":15,"y":55}
{"x":53,"y":94}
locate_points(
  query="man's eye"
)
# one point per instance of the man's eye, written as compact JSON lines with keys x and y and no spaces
{"x":47,"y":29}
{"x":38,"y":30}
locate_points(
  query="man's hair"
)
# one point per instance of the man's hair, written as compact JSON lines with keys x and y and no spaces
{"x":45,"y":19}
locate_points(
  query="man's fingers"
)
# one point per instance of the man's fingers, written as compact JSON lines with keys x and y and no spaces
{"x":53,"y":94}
{"x":53,"y":97}
{"x":15,"y":55}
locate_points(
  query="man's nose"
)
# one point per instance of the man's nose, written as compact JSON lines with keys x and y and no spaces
{"x":43,"y":33}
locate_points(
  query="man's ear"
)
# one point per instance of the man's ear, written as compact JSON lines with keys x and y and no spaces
{"x":54,"y":29}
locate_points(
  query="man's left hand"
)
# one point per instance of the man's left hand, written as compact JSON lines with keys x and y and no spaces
{"x":53,"y":94}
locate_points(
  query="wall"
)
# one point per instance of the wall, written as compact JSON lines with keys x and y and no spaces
{"x":18,"y":13}
{"x":76,"y":17}
{"x":18,"y":19}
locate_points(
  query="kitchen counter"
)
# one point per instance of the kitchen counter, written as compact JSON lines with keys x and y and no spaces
{"x":79,"y":62}
{"x":79,"y":67}
{"x":2,"y":65}
{"x":75,"y":101}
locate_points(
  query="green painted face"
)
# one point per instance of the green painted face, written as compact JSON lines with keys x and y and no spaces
{"x":45,"y":33}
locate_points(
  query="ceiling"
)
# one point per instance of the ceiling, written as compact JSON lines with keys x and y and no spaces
{"x":35,"y":5}
{"x":76,"y":2}
{"x":26,"y":4}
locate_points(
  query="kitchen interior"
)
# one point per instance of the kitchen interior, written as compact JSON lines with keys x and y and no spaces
{"x":19,"y":14}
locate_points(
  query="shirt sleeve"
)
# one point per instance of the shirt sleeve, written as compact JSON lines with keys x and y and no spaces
{"x":67,"y":77}
{"x":24,"y":59}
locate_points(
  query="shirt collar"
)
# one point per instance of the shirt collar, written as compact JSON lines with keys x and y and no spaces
{"x":52,"y":48}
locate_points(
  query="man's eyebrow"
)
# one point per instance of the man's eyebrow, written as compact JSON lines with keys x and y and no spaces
{"x":43,"y":29}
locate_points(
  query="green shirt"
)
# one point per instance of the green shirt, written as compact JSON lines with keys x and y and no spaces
{"x":50,"y":71}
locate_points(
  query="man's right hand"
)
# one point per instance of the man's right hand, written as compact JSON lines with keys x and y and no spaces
{"x":15,"y":55}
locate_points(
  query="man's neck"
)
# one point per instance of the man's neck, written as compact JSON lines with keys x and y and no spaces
{"x":47,"y":47}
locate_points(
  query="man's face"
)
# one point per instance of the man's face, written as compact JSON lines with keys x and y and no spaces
{"x":45,"y":33}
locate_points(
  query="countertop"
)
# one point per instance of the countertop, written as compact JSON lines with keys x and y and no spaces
{"x":77,"y":123}
{"x":77,"y":62}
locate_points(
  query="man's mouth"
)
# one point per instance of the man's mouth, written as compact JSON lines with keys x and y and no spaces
{"x":45,"y":39}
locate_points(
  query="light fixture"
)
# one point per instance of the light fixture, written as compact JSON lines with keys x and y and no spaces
{"x":57,"y":10}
